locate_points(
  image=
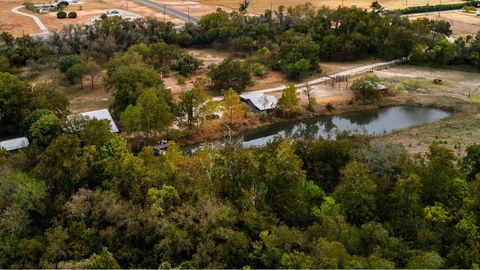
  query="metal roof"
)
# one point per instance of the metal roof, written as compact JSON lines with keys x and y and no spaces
{"x":260,"y":101}
{"x":102,"y":114}
{"x":14,"y":144}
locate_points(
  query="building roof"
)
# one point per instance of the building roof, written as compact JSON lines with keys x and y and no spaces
{"x":102,"y":114}
{"x":14,"y":144}
{"x":260,"y":101}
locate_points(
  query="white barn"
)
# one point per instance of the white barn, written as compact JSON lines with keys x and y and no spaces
{"x":14,"y":144}
{"x":260,"y":101}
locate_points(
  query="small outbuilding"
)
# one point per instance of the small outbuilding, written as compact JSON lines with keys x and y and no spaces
{"x":14,"y":144}
{"x":102,"y":114}
{"x":260,"y":101}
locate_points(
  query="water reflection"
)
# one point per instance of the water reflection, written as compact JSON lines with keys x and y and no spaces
{"x":364,"y":122}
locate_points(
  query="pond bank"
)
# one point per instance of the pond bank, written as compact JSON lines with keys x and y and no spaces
{"x":252,"y":122}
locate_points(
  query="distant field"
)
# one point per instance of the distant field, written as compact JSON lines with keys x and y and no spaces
{"x":462,"y":23}
{"x":259,"y":6}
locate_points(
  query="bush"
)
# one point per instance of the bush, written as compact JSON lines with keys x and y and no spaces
{"x":258,"y":69}
{"x":72,"y":15}
{"x":181,"y":80}
{"x":366,"y":88}
{"x":29,"y":6}
{"x":470,"y":9}
{"x":61,"y":15}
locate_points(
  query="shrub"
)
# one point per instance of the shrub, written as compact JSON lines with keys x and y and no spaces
{"x":72,"y":15}
{"x":329,"y":107}
{"x":61,"y":15}
{"x":181,"y":80}
{"x":366,"y":88}
{"x":258,"y":69}
{"x":29,"y":6}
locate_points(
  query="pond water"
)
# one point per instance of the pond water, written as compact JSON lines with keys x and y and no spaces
{"x":372,"y":122}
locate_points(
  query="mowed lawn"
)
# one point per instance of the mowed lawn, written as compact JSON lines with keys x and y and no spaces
{"x":259,"y":6}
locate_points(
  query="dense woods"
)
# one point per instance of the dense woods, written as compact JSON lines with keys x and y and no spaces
{"x":85,"y":201}
{"x":80,"y":197}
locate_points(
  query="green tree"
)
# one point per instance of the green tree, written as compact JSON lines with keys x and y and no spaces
{"x":232,"y":107}
{"x":128,"y":82}
{"x":192,"y":105}
{"x":366,"y":88}
{"x":21,"y":198}
{"x":471,"y":162}
{"x":96,"y":132}
{"x":187,"y":64}
{"x":407,"y":210}
{"x":150,"y":114}
{"x":62,"y":166}
{"x":289,"y":103}
{"x":76,"y":73}
{"x":230,"y":74}
{"x":92,"y":69}
{"x":356,"y":193}
{"x":45,"y":129}
{"x":437,"y":174}
{"x":285,"y":181}
{"x":44,"y":96}
{"x":68,"y":62}
{"x":34,"y":117}
{"x":444,"y":52}
{"x":15,"y":102}
{"x":426,"y":260}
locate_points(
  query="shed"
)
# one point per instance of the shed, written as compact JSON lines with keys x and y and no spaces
{"x":102,"y":114}
{"x":14,"y":144}
{"x":260,"y":101}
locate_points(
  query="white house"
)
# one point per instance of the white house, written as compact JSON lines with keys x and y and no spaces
{"x":14,"y":144}
{"x":260,"y":101}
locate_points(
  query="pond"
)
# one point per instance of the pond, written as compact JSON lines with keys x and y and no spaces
{"x":372,"y":122}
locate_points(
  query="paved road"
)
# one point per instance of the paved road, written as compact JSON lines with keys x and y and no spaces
{"x":42,"y":26}
{"x":170,"y":11}
{"x":301,"y":86}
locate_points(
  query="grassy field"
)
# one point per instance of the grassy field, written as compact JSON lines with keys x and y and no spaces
{"x":259,"y":6}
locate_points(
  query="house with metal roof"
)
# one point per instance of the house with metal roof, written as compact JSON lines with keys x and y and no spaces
{"x":14,"y":144}
{"x":102,"y":114}
{"x":260,"y":101}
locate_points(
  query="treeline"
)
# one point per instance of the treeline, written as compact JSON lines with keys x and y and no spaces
{"x":85,"y":201}
{"x":293,"y":40}
{"x":464,"y":51}
{"x":433,"y":8}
